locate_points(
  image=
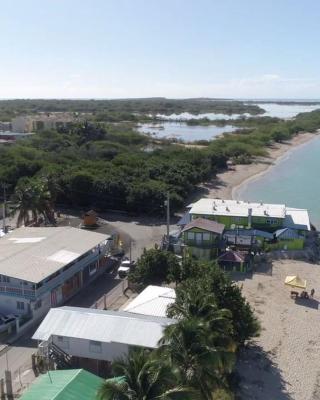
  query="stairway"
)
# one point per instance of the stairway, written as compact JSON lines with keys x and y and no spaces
{"x":61,"y":359}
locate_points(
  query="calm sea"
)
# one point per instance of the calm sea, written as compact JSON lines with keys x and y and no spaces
{"x":294,"y":180}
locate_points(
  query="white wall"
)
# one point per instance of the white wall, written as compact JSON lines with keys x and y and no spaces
{"x":81,"y":348}
{"x":8,"y":305}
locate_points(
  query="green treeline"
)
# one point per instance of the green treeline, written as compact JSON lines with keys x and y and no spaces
{"x":112,"y":166}
{"x":158,"y":105}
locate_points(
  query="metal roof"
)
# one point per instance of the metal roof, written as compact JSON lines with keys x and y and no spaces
{"x":232,"y":256}
{"x":297,"y":218}
{"x":205,"y":224}
{"x":103,"y":326}
{"x":71,"y":384}
{"x":153,"y":300}
{"x":248,"y":232}
{"x":32,"y":254}
{"x":185,"y":219}
{"x":287,"y":233}
{"x":237,"y":208}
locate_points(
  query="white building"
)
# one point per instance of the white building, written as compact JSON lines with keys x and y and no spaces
{"x":153,"y":300}
{"x":43,"y":267}
{"x":103,"y":336}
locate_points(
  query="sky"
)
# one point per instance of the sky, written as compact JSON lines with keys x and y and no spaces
{"x":170,"y":48}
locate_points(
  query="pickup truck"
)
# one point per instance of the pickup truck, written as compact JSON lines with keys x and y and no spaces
{"x":125,"y":267}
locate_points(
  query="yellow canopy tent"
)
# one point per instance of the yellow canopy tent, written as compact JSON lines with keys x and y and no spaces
{"x":295,"y":281}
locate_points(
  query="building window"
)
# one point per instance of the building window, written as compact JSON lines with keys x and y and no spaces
{"x":20,"y":305}
{"x":63,"y":342}
{"x":191,"y":235}
{"x":198,"y":237}
{"x":4,"y":278}
{"x":272,"y":221}
{"x":92,"y":268}
{"x":94,"y":346}
{"x":206,"y":236}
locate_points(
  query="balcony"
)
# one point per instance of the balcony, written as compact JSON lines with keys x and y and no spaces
{"x":17,"y":292}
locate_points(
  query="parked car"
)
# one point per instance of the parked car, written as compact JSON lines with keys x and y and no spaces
{"x":125,"y":267}
{"x":6,"y":321}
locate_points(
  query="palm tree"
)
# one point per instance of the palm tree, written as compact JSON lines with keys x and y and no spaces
{"x":191,"y":347}
{"x":191,"y":303}
{"x":144,"y":377}
{"x":32,"y":199}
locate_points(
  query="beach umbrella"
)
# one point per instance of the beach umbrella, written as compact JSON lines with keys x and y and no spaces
{"x":295,"y":281}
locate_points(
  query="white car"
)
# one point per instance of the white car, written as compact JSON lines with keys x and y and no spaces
{"x":124,"y":268}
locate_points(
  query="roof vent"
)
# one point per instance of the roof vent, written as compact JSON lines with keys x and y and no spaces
{"x":227,"y":209}
{"x":265,"y":212}
{"x":222,"y":201}
{"x":261,"y":203}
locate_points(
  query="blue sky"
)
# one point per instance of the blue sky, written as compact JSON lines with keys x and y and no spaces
{"x":172,"y":48}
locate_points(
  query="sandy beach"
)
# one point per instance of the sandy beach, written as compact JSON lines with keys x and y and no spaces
{"x":283,"y":363}
{"x":225,"y":185}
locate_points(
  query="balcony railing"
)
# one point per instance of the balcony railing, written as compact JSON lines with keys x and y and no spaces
{"x":18,"y":292}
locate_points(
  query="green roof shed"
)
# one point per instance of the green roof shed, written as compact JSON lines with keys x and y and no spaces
{"x":70,"y":384}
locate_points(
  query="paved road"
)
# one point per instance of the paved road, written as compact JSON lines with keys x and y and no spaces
{"x":17,"y":357}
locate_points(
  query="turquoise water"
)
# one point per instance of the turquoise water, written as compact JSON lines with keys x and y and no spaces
{"x":294,"y":181}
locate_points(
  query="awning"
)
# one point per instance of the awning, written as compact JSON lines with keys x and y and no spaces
{"x":295,"y":281}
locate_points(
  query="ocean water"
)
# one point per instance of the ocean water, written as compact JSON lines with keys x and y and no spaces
{"x":286,"y":111}
{"x":185,"y":132}
{"x":271,"y":110}
{"x":294,"y":181}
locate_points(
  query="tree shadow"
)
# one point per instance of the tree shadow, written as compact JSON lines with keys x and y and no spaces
{"x":259,"y":377}
{"x":311,"y":303}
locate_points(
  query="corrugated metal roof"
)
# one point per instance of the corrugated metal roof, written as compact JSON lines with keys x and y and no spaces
{"x":205,"y":224}
{"x":249,"y":232}
{"x":32,"y":254}
{"x":72,"y":384}
{"x":103,"y":326}
{"x":287,"y":233}
{"x":153,"y":300}
{"x":237,"y":208}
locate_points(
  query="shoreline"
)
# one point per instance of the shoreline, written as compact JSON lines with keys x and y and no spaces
{"x":227,"y":183}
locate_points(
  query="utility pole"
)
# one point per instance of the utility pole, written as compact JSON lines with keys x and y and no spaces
{"x":167,"y":203}
{"x":4,"y":208}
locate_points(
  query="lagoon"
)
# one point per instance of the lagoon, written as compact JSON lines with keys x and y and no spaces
{"x":294,"y":180}
{"x":182,"y":131}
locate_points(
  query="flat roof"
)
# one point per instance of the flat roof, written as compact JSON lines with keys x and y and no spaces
{"x":32,"y":254}
{"x":153,"y":300}
{"x":103,"y":326}
{"x":297,"y":218}
{"x":67,"y":384}
{"x":237,"y":208}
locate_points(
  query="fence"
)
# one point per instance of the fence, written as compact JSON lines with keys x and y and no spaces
{"x":112,"y":296}
{"x":14,"y":381}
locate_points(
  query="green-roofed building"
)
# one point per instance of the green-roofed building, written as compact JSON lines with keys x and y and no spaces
{"x":72,"y":384}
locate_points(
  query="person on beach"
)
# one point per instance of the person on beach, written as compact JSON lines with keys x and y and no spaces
{"x":312,"y":293}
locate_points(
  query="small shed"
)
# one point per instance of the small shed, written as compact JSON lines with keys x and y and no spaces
{"x":233,"y":260}
{"x":90,"y":219}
